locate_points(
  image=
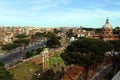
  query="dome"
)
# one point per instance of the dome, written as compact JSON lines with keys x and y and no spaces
{"x":107,"y":26}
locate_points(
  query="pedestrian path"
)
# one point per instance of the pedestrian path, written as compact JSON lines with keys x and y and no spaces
{"x":117,"y":76}
{"x":102,"y":73}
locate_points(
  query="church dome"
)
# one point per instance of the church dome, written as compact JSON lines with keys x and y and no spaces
{"x":107,"y":26}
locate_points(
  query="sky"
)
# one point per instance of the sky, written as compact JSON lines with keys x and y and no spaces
{"x":59,"y":13}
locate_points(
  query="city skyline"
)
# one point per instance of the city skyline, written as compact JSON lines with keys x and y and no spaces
{"x":57,"y":13}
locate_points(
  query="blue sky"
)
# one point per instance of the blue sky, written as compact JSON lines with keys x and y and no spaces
{"x":56,"y":13}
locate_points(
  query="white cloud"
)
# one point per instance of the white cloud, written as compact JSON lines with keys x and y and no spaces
{"x":41,"y":7}
{"x":55,"y":10}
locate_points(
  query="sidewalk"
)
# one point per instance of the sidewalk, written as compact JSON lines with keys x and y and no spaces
{"x":102,"y":73}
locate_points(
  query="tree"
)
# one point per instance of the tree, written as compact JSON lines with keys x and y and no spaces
{"x":4,"y":73}
{"x":86,"y":52}
{"x":53,"y":42}
{"x":47,"y":75}
{"x":56,"y":31}
{"x":116,"y":44}
{"x":29,"y":54}
{"x":38,"y":35}
{"x":98,"y":30}
{"x":87,"y":29}
{"x":1,"y":64}
{"x":116,"y":57}
{"x":70,"y":34}
{"x":116,"y":30}
{"x":50,"y":35}
{"x":116,"y":62}
{"x":22,"y":42}
{"x":39,"y":50}
{"x":10,"y":46}
{"x":21,"y":36}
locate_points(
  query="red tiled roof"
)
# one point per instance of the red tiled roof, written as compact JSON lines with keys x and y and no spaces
{"x":73,"y":72}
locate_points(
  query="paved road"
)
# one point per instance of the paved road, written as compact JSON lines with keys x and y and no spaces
{"x":17,"y":55}
{"x":100,"y":75}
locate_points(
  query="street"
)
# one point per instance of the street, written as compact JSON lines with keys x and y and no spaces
{"x":9,"y":59}
{"x":102,"y":73}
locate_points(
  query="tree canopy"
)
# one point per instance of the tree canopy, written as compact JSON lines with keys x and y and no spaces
{"x":9,"y":46}
{"x":116,"y":44}
{"x":39,"y":35}
{"x":56,"y":31}
{"x":29,"y":54}
{"x":39,"y":50}
{"x":50,"y":35}
{"x":22,"y":41}
{"x":53,"y":42}
{"x":21,"y":36}
{"x":4,"y":73}
{"x":1,"y":64}
{"x":86,"y":51}
{"x":116,"y":30}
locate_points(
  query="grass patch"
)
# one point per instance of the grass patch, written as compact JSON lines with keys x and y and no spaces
{"x":56,"y":60}
{"x":25,"y":71}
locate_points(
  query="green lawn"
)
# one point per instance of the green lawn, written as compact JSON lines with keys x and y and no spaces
{"x":25,"y":71}
{"x":56,"y":60}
